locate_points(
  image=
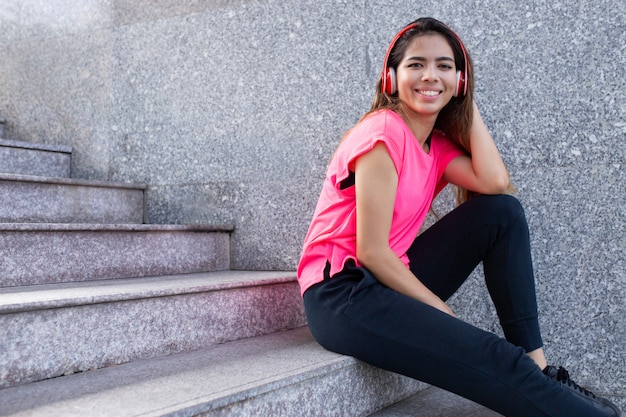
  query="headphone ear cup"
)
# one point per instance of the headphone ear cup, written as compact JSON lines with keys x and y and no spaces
{"x":460,"y":84}
{"x":458,"y":88}
{"x":386,"y":81}
{"x":389,"y":82}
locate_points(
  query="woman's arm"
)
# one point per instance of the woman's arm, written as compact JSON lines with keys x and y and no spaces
{"x":484,"y":172}
{"x":376,"y":183}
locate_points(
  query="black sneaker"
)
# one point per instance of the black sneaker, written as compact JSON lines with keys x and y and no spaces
{"x":561,"y":376}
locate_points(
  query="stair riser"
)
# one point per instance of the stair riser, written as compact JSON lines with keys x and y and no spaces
{"x":32,"y":202}
{"x":42,"y":257}
{"x":42,"y":344}
{"x":355,"y":390}
{"x":34,"y":162}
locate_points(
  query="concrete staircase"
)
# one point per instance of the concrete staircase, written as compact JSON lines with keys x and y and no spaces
{"x":101,"y":314}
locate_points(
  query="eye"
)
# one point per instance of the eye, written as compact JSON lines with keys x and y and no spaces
{"x":414,"y":65}
{"x":445,"y":67}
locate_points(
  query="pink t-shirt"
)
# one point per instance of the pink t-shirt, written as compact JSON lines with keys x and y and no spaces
{"x":332,"y":233}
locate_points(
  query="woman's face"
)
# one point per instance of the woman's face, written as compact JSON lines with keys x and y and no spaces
{"x":426,"y":75}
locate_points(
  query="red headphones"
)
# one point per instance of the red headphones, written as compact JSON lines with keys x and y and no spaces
{"x":389,"y":85}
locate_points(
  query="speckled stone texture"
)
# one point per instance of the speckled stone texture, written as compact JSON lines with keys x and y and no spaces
{"x":434,"y":402}
{"x":231,"y":110}
{"x":33,"y":159}
{"x":33,"y":254}
{"x":46,"y":331}
{"x":30,"y":199}
{"x":285,"y":374}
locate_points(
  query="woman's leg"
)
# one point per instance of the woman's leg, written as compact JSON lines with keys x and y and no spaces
{"x":353,"y":314}
{"x":491,"y":229}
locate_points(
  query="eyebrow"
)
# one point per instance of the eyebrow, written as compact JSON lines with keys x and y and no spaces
{"x":421,"y":58}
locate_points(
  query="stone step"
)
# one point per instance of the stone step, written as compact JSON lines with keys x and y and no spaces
{"x":434,"y":402}
{"x":45,"y":253}
{"x":36,"y":199}
{"x":17,"y":157}
{"x":283,"y":374}
{"x":56,"y":329}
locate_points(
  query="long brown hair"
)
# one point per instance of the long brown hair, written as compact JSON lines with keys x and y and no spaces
{"x":455,"y":119}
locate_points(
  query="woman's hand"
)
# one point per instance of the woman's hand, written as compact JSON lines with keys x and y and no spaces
{"x":445,"y":308}
{"x":483,"y":171}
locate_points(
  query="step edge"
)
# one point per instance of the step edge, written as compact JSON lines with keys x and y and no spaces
{"x":10,"y":143}
{"x":215,"y":401}
{"x":326,"y":363}
{"x":40,"y":297}
{"x":72,"y":181}
{"x":120,"y":227}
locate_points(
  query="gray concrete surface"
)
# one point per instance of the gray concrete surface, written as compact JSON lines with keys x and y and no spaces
{"x":230,"y":111}
{"x":434,"y":402}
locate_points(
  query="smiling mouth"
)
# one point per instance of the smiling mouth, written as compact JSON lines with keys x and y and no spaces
{"x":429,"y":93}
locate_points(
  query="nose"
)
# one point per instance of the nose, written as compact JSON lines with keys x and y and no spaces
{"x":430,"y":73}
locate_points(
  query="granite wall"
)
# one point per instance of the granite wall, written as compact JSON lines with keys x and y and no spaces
{"x":230,"y":110}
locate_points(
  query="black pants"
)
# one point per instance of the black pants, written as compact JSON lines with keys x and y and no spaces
{"x":354,"y":314}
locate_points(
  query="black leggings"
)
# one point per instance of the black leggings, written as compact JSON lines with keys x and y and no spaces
{"x":354,"y":314}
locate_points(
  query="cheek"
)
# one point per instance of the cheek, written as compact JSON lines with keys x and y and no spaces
{"x":404,"y":81}
{"x":451,"y":79}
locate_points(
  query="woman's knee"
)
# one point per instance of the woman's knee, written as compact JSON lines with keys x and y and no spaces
{"x":501,"y":206}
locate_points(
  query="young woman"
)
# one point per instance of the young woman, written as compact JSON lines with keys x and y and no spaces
{"x":376,"y":290}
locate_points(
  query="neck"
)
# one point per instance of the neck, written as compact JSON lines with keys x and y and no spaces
{"x":421,"y":126}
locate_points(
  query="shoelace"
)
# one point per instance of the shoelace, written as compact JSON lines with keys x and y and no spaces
{"x":563,"y":376}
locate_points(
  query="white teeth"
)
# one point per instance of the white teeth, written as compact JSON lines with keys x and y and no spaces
{"x":429,"y":93}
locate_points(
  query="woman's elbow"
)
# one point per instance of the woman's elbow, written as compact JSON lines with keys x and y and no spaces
{"x":498,"y":184}
{"x":363,"y":257}
{"x":367,"y":255}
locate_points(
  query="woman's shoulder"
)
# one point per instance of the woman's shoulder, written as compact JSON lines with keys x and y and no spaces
{"x":375,"y":127}
{"x":378,"y":126}
{"x":384,"y":122}
{"x":381,"y":116}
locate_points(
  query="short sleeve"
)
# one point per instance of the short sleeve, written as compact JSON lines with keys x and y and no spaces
{"x":363,"y":139}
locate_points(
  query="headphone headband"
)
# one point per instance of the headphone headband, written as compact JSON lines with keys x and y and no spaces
{"x":388,"y":76}
{"x":388,"y":79}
